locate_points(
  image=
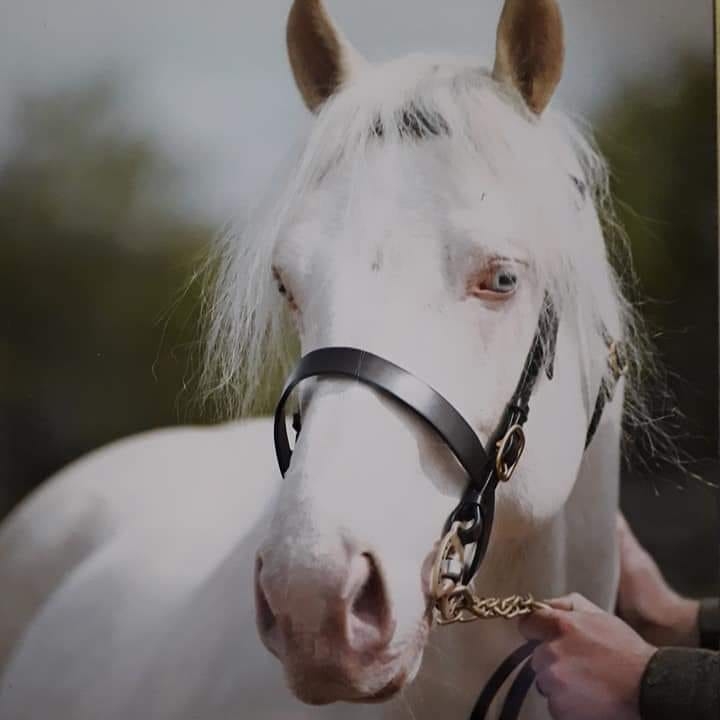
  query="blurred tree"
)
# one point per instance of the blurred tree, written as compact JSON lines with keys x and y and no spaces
{"x":661,"y":145}
{"x":96,"y":332}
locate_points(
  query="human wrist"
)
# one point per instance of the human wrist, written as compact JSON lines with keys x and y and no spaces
{"x":671,"y":621}
{"x":685,"y":626}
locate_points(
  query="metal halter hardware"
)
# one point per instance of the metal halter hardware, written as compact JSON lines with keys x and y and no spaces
{"x":467,"y":531}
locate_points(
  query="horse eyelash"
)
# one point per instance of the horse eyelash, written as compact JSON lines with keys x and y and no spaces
{"x":278,"y":279}
{"x":283,"y":289}
{"x":581,"y":186}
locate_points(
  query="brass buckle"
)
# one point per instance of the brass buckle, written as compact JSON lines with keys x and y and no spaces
{"x":443,"y":577}
{"x":617,"y":359}
{"x":504,"y":469}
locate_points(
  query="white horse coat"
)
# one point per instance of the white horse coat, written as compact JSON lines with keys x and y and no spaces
{"x":128,"y":587}
{"x":431,"y":208}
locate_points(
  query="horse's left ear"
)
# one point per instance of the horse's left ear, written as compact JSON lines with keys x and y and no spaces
{"x":531,"y":50}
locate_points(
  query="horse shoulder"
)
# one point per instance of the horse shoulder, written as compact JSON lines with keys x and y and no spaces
{"x":94,"y":641}
{"x":167,"y":482}
{"x":154,"y":624}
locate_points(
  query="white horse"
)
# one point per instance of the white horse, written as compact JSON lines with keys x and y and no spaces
{"x":428,"y":212}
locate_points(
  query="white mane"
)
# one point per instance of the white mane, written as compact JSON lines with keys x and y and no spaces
{"x":249,"y":336}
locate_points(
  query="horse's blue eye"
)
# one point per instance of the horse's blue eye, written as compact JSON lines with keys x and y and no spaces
{"x":503,"y":280}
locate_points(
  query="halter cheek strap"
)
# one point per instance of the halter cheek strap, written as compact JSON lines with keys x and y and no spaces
{"x":618,"y":367}
{"x":476,"y":509}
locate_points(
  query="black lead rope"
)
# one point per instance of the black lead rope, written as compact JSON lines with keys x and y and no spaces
{"x":477,"y":507}
{"x":519,"y":689}
{"x":518,"y":692}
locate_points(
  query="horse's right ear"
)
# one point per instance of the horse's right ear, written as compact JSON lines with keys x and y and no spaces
{"x":320,"y":56}
{"x":531,"y":50}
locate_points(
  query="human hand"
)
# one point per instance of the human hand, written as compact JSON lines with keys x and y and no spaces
{"x":590,"y":664}
{"x":645,"y":600}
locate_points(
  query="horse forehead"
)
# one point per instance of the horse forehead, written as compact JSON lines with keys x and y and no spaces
{"x":365,"y":245}
{"x":410,"y":217}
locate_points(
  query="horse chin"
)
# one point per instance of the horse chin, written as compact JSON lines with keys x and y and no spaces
{"x":367,"y":687}
{"x":398,"y":683}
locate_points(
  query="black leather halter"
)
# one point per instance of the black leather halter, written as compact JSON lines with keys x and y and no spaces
{"x":476,"y":509}
{"x":486,"y":467}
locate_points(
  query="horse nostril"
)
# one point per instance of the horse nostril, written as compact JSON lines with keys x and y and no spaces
{"x":368,"y":602}
{"x":265,"y":615}
{"x":370,"y":623}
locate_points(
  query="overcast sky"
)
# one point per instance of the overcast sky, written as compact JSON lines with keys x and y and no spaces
{"x":210,"y":79}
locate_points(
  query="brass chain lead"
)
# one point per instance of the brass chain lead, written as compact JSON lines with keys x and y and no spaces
{"x":456,"y":603}
{"x":463,"y":606}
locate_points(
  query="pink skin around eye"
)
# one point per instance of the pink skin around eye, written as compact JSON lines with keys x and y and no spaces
{"x":480,"y":285}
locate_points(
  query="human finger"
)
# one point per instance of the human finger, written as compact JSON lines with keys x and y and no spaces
{"x":541,"y":625}
{"x":573,"y":603}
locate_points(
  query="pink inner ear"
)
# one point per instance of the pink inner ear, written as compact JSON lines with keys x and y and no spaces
{"x":531,"y":49}
{"x":315,"y":52}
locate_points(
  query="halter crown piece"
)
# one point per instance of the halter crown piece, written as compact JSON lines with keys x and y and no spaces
{"x":467,"y":531}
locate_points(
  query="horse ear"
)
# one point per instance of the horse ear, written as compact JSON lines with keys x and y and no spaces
{"x":320,"y":56}
{"x":530,"y":50}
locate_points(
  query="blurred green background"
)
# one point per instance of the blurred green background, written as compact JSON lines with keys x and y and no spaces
{"x":99,"y":335}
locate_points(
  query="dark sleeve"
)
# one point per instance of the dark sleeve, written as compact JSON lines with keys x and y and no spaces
{"x":709,"y":624}
{"x":681,"y":683}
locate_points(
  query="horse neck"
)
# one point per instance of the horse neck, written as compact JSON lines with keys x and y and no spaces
{"x":590,"y":515}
